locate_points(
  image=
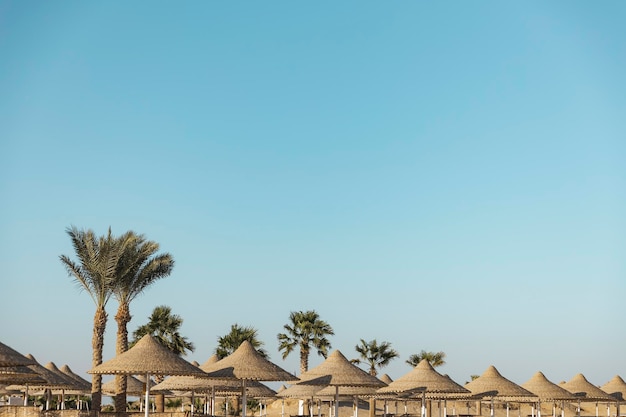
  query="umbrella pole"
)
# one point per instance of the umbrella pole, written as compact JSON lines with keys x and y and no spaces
{"x":336,"y":400}
{"x":244,"y":399}
{"x":146,"y":405}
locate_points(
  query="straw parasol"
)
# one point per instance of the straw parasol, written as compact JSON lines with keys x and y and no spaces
{"x":616,"y":388}
{"x":585,"y":391}
{"x":73,"y":384}
{"x":546,"y":390}
{"x":337,"y":371}
{"x":19,"y":375}
{"x":246,"y":364}
{"x":134,"y":387}
{"x":83,"y":385}
{"x":11,"y":357}
{"x":147,"y":357}
{"x":425,"y":380}
{"x":492,"y":385}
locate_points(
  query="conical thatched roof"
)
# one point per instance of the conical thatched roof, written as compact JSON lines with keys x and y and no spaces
{"x":539,"y":385}
{"x":134,"y":387}
{"x":147,"y":357}
{"x":54,"y":380}
{"x":72,"y":383}
{"x":616,"y":388}
{"x":346,"y":391}
{"x":424,"y":378}
{"x":299,"y":391}
{"x":585,"y":390}
{"x":493,"y":385}
{"x":386,"y":379}
{"x":19,"y":375}
{"x":336,"y":370}
{"x":11,"y":357}
{"x":247,"y":363}
{"x":198,"y":385}
{"x":82,"y":382}
{"x":253,"y":389}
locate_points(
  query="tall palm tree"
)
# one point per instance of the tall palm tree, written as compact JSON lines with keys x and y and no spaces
{"x":138,"y":268}
{"x":434,"y":358}
{"x":164,"y":327}
{"x":305,"y":330}
{"x":376,"y":356}
{"x":94,"y":273}
{"x":229,"y":343}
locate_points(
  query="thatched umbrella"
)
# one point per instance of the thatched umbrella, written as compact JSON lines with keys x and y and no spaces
{"x":83,"y":386}
{"x":53,"y":380}
{"x":492,"y":385}
{"x":616,"y":388}
{"x":298,"y":391}
{"x":134,"y":387}
{"x":585,"y":391}
{"x":11,"y":357}
{"x":147,"y":357}
{"x":423,"y":379}
{"x":246,"y":364}
{"x":337,"y":371}
{"x":546,"y":390}
{"x":19,"y":375}
{"x":73,"y":384}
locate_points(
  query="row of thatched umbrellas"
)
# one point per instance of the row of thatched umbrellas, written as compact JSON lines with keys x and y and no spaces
{"x":243,"y":370}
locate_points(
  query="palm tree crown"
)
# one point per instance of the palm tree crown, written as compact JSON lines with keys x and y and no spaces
{"x":229,"y":343}
{"x":434,"y":358}
{"x":305,"y":330}
{"x":375,"y":355}
{"x":164,"y":327}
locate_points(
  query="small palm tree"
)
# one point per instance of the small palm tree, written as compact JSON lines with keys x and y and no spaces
{"x":229,"y":343}
{"x":94,"y":273}
{"x":375,"y":355}
{"x":434,"y":358}
{"x":305,"y":330}
{"x":164,"y":327}
{"x":138,"y":268}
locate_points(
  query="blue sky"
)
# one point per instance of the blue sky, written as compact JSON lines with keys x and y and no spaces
{"x":444,"y":176}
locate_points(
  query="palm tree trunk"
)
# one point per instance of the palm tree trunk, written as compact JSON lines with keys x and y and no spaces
{"x":122,"y":318}
{"x":97,"y":344}
{"x":304,"y":366}
{"x":159,"y":399}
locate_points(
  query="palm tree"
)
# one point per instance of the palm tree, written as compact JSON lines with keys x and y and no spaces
{"x":376,"y":356}
{"x":164,"y":327}
{"x":305,"y":330}
{"x":98,"y":258}
{"x":138,"y":268}
{"x":434,"y":358}
{"x":229,"y":343}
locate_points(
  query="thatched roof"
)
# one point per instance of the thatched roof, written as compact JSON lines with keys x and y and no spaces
{"x":585,"y":390}
{"x":247,"y":363}
{"x":539,"y":385}
{"x":53,"y":379}
{"x":336,"y":370}
{"x":82,"y":382}
{"x":616,"y":388}
{"x":134,"y":387}
{"x":19,"y":375}
{"x":147,"y":357}
{"x":491,"y":384}
{"x":11,"y":357}
{"x":424,"y":378}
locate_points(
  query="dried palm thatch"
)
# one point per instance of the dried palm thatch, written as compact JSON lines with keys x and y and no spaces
{"x":147,"y":357}
{"x":134,"y":387}
{"x":11,"y":357}
{"x":424,"y":379}
{"x":616,"y":388}
{"x":585,"y":390}
{"x":19,"y":375}
{"x":336,"y":370}
{"x":83,"y":384}
{"x":491,"y":384}
{"x":299,"y":391}
{"x":539,"y":385}
{"x":53,"y":380}
{"x":246,"y":363}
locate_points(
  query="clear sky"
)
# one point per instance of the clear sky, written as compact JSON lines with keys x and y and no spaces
{"x":443,"y":176}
